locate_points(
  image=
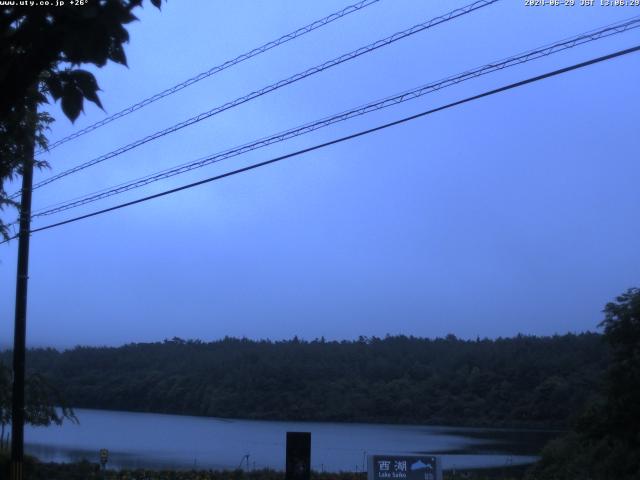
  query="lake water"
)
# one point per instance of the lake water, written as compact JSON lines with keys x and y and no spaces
{"x":183,"y":442}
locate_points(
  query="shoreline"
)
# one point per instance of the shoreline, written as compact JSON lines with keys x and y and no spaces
{"x":436,"y":425}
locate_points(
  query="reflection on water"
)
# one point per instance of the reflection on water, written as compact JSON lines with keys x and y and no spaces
{"x":181,"y":442}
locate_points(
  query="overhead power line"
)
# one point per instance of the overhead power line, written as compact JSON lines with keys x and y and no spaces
{"x":346,"y":138}
{"x":518,"y":59}
{"x":274,"y":86}
{"x":213,"y":70}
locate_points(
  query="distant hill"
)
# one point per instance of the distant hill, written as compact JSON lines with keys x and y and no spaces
{"x":521,"y":381}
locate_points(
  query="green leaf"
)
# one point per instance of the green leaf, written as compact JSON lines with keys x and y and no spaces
{"x":41,"y":97}
{"x":116,"y":53}
{"x":54,"y":84}
{"x":71,"y":101}
{"x":87,"y":84}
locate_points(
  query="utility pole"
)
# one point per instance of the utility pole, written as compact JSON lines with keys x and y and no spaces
{"x":20,"y":329}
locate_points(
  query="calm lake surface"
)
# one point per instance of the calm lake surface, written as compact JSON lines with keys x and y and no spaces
{"x":182,"y":442}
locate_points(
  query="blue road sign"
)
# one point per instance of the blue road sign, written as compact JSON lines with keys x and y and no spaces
{"x":404,"y":467}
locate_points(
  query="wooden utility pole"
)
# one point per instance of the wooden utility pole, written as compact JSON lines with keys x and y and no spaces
{"x":20,"y":329}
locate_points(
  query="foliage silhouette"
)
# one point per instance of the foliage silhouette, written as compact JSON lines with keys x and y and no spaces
{"x":605,"y":442}
{"x":43,"y":406}
{"x":41,"y":48}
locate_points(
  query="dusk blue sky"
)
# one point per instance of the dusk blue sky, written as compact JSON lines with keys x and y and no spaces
{"x":513,"y":214}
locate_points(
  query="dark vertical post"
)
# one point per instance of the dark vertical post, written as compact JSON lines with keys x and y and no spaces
{"x":20,"y":329}
{"x":298,"y":456}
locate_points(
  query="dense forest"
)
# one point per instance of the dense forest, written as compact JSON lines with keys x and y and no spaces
{"x":604,"y":441}
{"x":521,"y":381}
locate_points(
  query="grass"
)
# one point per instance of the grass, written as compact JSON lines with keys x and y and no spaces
{"x":35,"y":470}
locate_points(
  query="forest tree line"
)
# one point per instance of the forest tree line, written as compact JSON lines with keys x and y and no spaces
{"x":521,"y":381}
